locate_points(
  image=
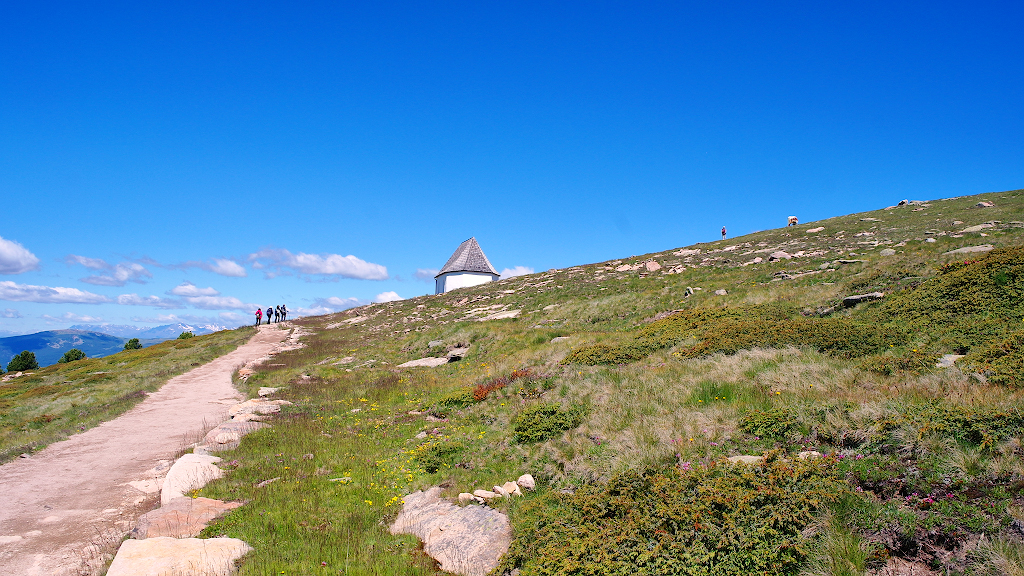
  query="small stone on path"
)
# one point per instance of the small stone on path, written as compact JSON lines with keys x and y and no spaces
{"x":888,"y":252}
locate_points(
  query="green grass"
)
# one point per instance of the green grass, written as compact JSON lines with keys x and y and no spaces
{"x":803,"y":373}
{"x":54,"y":402}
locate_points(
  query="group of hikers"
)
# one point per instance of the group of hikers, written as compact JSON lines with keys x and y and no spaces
{"x":273,"y":313}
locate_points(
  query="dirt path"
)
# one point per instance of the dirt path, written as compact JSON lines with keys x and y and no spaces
{"x":67,"y":506}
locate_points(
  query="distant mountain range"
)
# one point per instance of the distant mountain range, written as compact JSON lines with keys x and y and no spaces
{"x":49,"y":346}
{"x":165,"y":332}
{"x":96,"y":340}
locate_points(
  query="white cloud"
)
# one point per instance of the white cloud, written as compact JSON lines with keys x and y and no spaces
{"x":91,"y":263}
{"x":122,"y":274}
{"x":516,"y":271}
{"x":426,"y":274}
{"x":10,"y":313}
{"x":226,"y":267}
{"x":15,"y":259}
{"x":190,"y":290}
{"x":326,"y":264}
{"x":219,"y":303}
{"x":329,"y":305}
{"x":47,"y":295}
{"x":70,"y":317}
{"x":154,"y":301}
{"x":387,"y":297}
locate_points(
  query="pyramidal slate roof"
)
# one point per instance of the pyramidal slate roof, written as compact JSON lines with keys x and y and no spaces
{"x":468,"y":257}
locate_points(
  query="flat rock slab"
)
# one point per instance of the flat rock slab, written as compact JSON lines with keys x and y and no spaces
{"x":500,"y":315}
{"x":464,"y":540}
{"x":948,"y":360}
{"x":190,"y":472}
{"x":258,"y":406}
{"x":172,"y":556}
{"x":424,"y":363}
{"x":181,"y":518}
{"x":228,"y":435}
{"x":969,"y":249}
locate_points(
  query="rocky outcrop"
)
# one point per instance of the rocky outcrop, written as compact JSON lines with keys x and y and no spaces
{"x":467,"y":540}
{"x":969,"y":250}
{"x":851,"y":301}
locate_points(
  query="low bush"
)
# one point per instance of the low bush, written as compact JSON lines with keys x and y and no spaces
{"x":836,"y":336}
{"x":1002,"y":362}
{"x":542,"y":421}
{"x":186,"y":335}
{"x":730,"y":330}
{"x":133,"y":344}
{"x":983,"y":426}
{"x":913,"y":362}
{"x":434,"y":455}
{"x":770,"y":423}
{"x":714,"y":519}
{"x":967,"y":304}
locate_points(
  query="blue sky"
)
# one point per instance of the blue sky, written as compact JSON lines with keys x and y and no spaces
{"x":187,"y":161}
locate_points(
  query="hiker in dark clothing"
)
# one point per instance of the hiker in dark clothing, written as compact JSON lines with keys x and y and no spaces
{"x":723,"y":232}
{"x":277,"y":314}
{"x":284,"y":312}
{"x":259,"y":316}
{"x":270,"y":314}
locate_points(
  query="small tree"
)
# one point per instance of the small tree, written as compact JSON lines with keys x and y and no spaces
{"x":186,"y":335}
{"x":133,"y":344}
{"x":71,"y":356}
{"x":24,"y":361}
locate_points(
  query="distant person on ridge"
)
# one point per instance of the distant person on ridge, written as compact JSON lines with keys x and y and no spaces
{"x":284,"y":312}
{"x":270,"y":314}
{"x":259,"y":316}
{"x":277,"y":314}
{"x":723,"y":232}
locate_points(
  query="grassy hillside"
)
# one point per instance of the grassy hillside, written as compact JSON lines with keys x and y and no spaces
{"x":53,"y":402}
{"x":655,"y":379}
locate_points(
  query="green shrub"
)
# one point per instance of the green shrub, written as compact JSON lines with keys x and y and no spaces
{"x":715,"y":519}
{"x":967,"y":304}
{"x":730,"y":330}
{"x":434,"y":455}
{"x":1002,"y":361}
{"x":71,"y":356}
{"x":186,"y":335}
{"x":770,"y":423}
{"x":913,"y":362}
{"x":979,"y":425}
{"x":133,"y":344}
{"x":542,"y":421}
{"x":24,"y":361}
{"x":836,"y":336}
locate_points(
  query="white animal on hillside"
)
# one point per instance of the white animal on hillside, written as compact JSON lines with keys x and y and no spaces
{"x":793,"y":221}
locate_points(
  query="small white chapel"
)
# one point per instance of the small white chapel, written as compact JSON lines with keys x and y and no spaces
{"x":468,"y":266}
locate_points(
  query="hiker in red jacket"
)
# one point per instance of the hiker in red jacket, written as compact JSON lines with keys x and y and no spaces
{"x":259,"y":316}
{"x":723,"y":232}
